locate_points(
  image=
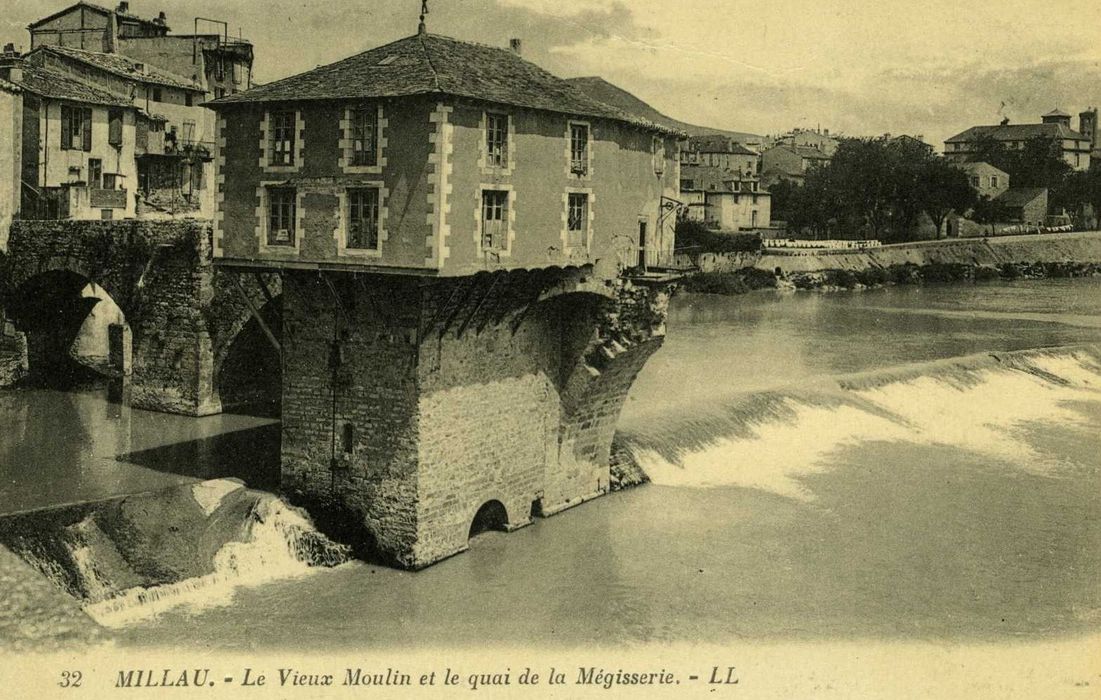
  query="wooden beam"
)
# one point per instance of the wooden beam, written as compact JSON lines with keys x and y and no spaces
{"x":256,"y":314}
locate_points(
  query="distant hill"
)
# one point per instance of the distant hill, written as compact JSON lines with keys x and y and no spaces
{"x":600,"y":89}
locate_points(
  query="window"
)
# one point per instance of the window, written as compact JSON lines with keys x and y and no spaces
{"x":219,"y":92}
{"x":496,"y":140}
{"x":282,"y":138}
{"x":76,"y":128}
{"x":114,"y":127}
{"x":494,"y":219}
{"x":281,"y":216}
{"x":365,"y":136}
{"x":577,"y":219}
{"x":95,"y":173}
{"x":110,"y":181}
{"x":363,"y":218}
{"x":189,"y":100}
{"x":975,"y":181}
{"x":158,"y":95}
{"x":579,"y":149}
{"x":993,"y":180}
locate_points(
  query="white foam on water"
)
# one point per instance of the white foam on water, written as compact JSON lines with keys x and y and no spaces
{"x":271,"y":552}
{"x":981,"y":410}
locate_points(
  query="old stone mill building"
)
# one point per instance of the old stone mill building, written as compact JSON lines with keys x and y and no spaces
{"x":448,"y":251}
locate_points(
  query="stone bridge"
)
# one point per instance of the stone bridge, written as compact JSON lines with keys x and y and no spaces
{"x":189,"y":338}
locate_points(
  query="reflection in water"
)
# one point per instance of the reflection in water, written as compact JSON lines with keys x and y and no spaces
{"x":66,"y":447}
{"x":955,"y":509}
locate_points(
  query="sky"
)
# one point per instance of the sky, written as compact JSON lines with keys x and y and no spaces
{"x":859,"y":67}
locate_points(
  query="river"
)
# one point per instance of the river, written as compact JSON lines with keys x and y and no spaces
{"x":844,"y":466}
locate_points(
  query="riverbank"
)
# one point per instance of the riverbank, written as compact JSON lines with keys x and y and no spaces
{"x":1043,"y":256}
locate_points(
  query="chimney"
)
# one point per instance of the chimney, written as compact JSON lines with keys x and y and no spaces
{"x":124,"y":7}
{"x":11,"y":64}
{"x":517,"y":46}
{"x":1005,"y":121}
{"x":161,"y":19}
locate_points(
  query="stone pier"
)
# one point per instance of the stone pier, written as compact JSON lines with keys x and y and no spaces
{"x":417,"y":410}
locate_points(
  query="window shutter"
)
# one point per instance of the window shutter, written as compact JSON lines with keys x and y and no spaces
{"x":66,"y":127}
{"x":86,"y":118}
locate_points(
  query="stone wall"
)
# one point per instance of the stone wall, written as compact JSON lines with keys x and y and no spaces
{"x":183,"y":315}
{"x":410,"y":404}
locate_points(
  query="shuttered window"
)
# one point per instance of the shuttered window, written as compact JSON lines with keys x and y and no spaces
{"x":76,"y":128}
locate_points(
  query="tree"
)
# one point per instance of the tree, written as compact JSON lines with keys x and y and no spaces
{"x":942,"y":189}
{"x":1080,"y":189}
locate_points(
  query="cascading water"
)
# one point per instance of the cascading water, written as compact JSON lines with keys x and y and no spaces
{"x":280,"y":543}
{"x":118,"y":562}
{"x":769,"y":440}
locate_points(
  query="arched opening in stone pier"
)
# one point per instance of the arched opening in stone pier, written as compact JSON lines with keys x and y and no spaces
{"x":76,"y":333}
{"x":248,"y":372}
{"x":491,"y":516}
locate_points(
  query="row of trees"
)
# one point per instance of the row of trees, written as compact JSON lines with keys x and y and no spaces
{"x":880,"y":188}
{"x":875,"y":188}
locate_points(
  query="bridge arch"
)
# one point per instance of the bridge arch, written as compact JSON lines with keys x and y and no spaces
{"x":75,"y":330}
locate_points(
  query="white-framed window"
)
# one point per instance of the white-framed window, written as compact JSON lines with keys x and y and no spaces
{"x":497,"y":145}
{"x":579,"y":149}
{"x":282,"y":217}
{"x":363,"y":218}
{"x":282,"y":138}
{"x":577,"y":220}
{"x":364,"y":127}
{"x":494,"y":222}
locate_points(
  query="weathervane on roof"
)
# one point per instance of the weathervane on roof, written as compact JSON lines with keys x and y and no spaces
{"x":421,"y":28}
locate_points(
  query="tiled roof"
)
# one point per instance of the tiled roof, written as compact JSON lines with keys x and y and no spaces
{"x":1018,"y":132}
{"x":804,"y":151}
{"x":123,"y":66}
{"x":57,"y":85}
{"x":710,"y":178}
{"x":98,"y":8}
{"x":718,"y":144}
{"x":1020,"y":196}
{"x":426,"y":64}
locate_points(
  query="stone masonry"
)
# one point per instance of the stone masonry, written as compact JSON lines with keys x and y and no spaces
{"x":410,"y":403}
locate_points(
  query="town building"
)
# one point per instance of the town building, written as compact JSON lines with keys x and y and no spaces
{"x":725,"y":201}
{"x":446,"y":219}
{"x":789,"y":163}
{"x":985,"y":179}
{"x":11,"y":154}
{"x":1074,"y":147}
{"x":819,"y":139}
{"x":720,"y":152}
{"x":131,"y":92}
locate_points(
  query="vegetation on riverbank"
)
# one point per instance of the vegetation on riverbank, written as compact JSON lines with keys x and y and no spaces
{"x":750,"y":279}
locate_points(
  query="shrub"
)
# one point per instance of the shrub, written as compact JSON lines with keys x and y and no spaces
{"x":715,"y":283}
{"x":841,"y":278}
{"x":697,"y":237}
{"x":906,"y":273}
{"x":985,"y":274}
{"x":756,"y":278}
{"x":945,"y":272}
{"x":873,"y":276}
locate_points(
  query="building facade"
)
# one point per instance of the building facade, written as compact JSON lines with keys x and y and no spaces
{"x":1055,"y":126}
{"x":720,"y":152}
{"x":446,"y":219}
{"x":791,"y":163}
{"x":725,"y":201}
{"x":985,"y":179}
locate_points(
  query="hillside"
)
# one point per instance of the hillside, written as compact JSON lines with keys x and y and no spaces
{"x":600,"y":89}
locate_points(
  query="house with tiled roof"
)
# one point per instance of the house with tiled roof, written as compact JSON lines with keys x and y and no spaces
{"x":75,"y":145}
{"x":85,"y":25}
{"x":722,"y":152}
{"x":790,"y":163}
{"x":724,"y":200}
{"x":11,"y":154}
{"x":441,"y":157}
{"x":1055,"y":126}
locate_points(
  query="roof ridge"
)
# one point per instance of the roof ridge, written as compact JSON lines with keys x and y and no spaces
{"x":428,"y":57}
